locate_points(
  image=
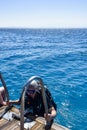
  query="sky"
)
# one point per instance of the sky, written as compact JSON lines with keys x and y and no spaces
{"x":43,"y":13}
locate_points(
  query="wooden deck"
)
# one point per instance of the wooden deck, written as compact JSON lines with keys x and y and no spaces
{"x":8,"y":123}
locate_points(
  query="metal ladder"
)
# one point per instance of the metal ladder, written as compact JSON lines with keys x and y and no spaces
{"x":22,"y":99}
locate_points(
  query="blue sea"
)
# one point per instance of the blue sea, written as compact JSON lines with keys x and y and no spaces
{"x":59,"y":56}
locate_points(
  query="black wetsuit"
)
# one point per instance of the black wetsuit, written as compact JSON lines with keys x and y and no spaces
{"x":36,"y":105}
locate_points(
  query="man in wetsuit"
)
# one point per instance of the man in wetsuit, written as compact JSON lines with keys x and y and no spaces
{"x":34,"y":101}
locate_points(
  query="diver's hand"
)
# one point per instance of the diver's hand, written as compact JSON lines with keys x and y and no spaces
{"x":48,"y":117}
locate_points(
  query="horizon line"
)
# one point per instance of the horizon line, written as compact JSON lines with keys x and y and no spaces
{"x":43,"y":27}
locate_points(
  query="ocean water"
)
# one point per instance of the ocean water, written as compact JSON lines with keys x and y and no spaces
{"x":59,"y":56}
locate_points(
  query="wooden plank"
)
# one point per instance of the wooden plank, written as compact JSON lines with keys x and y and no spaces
{"x":59,"y":127}
{"x":14,"y":124}
{"x":38,"y":126}
{"x":54,"y":125}
{"x":2,"y":122}
{"x":10,"y":125}
{"x":2,"y":109}
{"x":35,"y":127}
{"x":14,"y":109}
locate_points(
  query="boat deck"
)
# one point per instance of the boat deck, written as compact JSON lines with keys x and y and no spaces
{"x":9,"y":123}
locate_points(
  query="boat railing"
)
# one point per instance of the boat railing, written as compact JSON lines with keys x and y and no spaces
{"x":4,"y":85}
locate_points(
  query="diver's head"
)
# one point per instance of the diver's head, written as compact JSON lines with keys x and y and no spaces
{"x":33,"y":88}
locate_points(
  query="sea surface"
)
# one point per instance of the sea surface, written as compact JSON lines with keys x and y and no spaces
{"x":59,"y":56}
